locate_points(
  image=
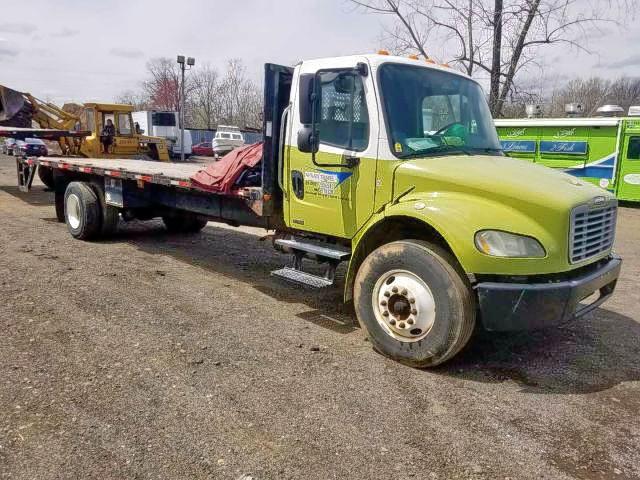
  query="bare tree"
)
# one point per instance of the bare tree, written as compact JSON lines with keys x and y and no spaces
{"x":495,"y":38}
{"x":211,"y":100}
{"x":595,"y":92}
{"x":132,"y":97}
{"x":163,"y":85}
{"x":205,"y":102}
{"x":241,"y":98}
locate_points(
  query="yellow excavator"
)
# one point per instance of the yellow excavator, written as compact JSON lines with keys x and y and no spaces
{"x":77,"y":133}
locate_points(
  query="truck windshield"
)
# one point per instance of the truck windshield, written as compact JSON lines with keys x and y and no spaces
{"x":163,"y":119}
{"x":434,"y":112}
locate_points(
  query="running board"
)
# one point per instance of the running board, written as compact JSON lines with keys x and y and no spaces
{"x":303,"y":278}
{"x":326,"y":254}
{"x":326,"y":251}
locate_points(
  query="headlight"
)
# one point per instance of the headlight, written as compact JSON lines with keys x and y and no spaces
{"x":503,"y":244}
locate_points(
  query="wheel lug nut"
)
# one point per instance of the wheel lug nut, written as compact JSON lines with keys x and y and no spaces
{"x":414,"y":312}
{"x":383,"y":303}
{"x":394,"y":289}
{"x":410,"y":321}
{"x":387,"y":294}
{"x":404,"y":291}
{"x":385,"y":313}
{"x":401,"y":325}
{"x":412,"y":300}
{"x":392,"y":322}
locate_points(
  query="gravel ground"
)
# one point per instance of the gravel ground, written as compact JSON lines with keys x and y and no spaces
{"x":163,"y":356}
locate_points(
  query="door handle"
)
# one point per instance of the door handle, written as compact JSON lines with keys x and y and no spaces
{"x":297,"y":183}
{"x":350,"y":161}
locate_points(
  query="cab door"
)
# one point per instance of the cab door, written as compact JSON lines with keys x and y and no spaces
{"x":629,"y":176}
{"x":124,"y":143}
{"x":332,"y":191}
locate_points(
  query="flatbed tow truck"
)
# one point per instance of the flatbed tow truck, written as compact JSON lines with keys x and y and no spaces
{"x":392,"y":165}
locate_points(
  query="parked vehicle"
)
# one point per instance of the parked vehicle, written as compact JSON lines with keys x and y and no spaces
{"x":30,"y":147}
{"x":226,"y":139}
{"x":602,"y":151}
{"x":164,"y":124}
{"x":7,"y":146}
{"x":203,"y":149}
{"x":394,"y":166}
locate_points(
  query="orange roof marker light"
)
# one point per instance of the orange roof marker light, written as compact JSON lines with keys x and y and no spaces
{"x":445,"y":65}
{"x":428,"y":60}
{"x":413,"y":57}
{"x":383,"y":52}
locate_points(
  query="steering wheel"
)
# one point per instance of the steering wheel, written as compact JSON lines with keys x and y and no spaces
{"x":447,"y":127}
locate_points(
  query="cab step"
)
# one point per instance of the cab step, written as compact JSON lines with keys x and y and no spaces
{"x":326,"y":254}
{"x":322,"y":250}
{"x":303,"y":278}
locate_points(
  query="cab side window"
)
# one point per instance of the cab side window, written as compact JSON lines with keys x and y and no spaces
{"x":124,"y":124}
{"x":633,"y":152}
{"x":343,"y":116}
{"x":87,"y":120}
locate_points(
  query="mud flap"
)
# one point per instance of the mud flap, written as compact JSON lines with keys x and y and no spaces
{"x":113,"y":192}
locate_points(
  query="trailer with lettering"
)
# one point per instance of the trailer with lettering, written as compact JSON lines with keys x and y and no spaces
{"x":602,"y":151}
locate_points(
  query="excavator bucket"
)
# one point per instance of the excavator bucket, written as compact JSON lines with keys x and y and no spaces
{"x":15,"y":108}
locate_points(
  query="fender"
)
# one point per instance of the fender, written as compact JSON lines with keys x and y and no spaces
{"x":455,"y":217}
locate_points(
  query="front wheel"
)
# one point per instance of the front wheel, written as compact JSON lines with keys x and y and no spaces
{"x":413,"y":303}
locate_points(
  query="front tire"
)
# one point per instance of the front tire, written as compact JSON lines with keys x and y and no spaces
{"x":413,"y":303}
{"x":82,"y":211}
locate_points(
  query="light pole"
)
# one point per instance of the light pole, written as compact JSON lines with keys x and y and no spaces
{"x":190,"y":62}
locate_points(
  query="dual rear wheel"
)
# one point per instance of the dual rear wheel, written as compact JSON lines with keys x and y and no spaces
{"x":83,"y":208}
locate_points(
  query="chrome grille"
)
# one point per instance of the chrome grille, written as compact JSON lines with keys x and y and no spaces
{"x":593,"y":229}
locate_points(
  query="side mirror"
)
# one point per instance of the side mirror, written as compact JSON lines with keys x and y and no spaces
{"x":307,"y":98}
{"x":307,"y":140}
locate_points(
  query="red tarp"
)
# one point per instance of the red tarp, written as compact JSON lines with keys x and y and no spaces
{"x":222,"y":175}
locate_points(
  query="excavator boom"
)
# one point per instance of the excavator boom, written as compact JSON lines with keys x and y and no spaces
{"x":18,"y":109}
{"x":15,"y":108}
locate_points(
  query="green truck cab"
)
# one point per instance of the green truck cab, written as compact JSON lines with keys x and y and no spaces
{"x":604,"y":151}
{"x":393,"y":167}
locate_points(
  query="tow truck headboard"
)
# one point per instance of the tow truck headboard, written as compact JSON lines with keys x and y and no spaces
{"x":277,"y":87}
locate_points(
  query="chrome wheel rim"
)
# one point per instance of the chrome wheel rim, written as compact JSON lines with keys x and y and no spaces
{"x":73,"y":210}
{"x":404,"y":305}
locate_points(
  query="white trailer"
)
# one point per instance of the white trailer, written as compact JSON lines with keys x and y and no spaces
{"x":165,"y":124}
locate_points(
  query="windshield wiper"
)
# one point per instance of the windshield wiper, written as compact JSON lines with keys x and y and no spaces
{"x":486,"y":149}
{"x":449,"y":149}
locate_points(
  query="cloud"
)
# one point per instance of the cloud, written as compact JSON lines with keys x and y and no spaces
{"x":632,"y":61}
{"x":7,"y":51}
{"x":126,"y":52}
{"x":66,"y":32}
{"x":21,"y":28}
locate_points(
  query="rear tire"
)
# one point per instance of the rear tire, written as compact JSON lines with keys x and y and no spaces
{"x":413,"y":303}
{"x":184,"y":223}
{"x":46,"y":176}
{"x":82,"y":211}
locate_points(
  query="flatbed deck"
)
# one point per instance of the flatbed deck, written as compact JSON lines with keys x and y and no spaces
{"x":163,"y":173}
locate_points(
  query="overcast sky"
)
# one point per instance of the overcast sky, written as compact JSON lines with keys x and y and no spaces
{"x":84,"y":50}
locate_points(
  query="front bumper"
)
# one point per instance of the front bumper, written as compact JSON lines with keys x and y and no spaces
{"x":527,"y":306}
